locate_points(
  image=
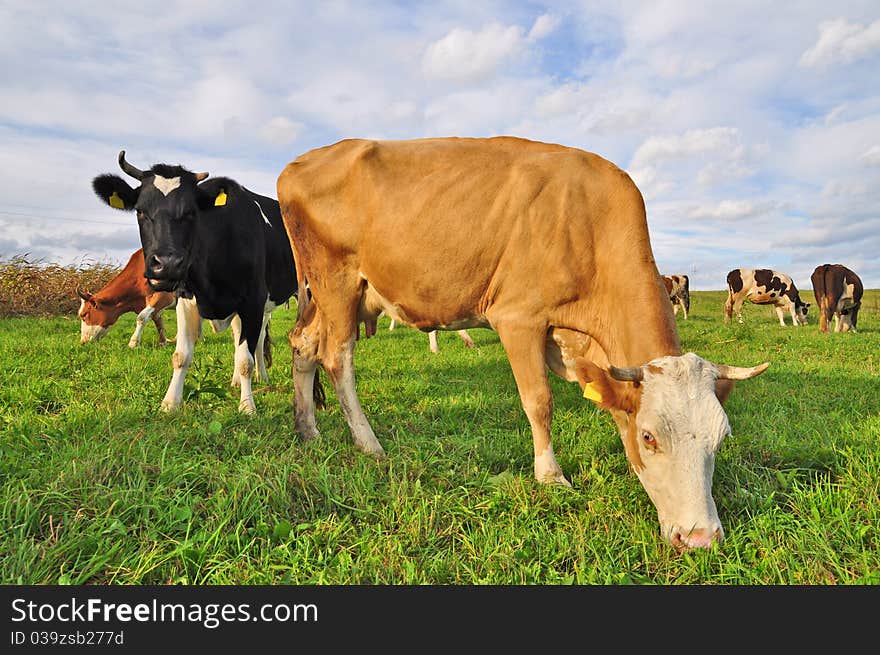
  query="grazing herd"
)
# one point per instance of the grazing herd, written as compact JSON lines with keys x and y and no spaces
{"x":522,"y":237}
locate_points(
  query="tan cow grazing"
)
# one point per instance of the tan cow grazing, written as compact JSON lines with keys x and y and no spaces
{"x":127,"y":292}
{"x":678,"y":288}
{"x":838,"y":292}
{"x":536,"y":241}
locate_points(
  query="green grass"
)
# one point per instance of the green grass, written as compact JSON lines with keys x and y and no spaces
{"x":98,"y":487}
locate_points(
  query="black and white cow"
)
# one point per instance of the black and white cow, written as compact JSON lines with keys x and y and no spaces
{"x":763,"y":286}
{"x":223,"y":249}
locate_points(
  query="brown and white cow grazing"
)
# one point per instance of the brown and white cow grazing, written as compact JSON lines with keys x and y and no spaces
{"x":763,"y":286}
{"x":528,"y":239}
{"x":678,"y":288}
{"x":127,"y":292}
{"x":838,"y":293}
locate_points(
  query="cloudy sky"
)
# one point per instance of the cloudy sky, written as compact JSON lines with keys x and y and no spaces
{"x":751,"y":128}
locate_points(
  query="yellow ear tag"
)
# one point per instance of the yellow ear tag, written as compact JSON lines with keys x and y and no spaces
{"x":116,"y":201}
{"x":592,"y":393}
{"x":220,"y":200}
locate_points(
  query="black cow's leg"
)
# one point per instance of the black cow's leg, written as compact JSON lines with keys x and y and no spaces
{"x":251,"y":328}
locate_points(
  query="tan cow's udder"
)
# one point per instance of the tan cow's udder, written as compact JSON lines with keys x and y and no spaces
{"x":374,"y":303}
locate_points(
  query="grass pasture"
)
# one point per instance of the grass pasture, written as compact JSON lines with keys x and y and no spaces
{"x":98,"y":487}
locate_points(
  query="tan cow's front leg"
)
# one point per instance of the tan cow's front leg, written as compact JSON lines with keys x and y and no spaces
{"x":525,"y":348}
{"x":188,"y":326}
{"x":338,"y":361}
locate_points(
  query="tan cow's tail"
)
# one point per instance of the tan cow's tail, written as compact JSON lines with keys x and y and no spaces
{"x":303,"y":300}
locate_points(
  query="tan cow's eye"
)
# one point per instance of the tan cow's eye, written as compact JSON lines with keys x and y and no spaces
{"x":649,"y":440}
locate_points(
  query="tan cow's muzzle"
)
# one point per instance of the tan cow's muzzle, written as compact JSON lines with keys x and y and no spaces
{"x":696,"y":538}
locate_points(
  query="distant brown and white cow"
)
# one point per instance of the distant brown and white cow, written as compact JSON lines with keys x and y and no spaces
{"x":838,"y":292}
{"x":678,"y":289}
{"x":528,"y":239}
{"x":127,"y":292}
{"x":432,"y":338}
{"x":763,"y":286}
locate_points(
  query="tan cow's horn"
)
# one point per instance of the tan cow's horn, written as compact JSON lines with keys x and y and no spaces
{"x":85,"y":295}
{"x":740,"y":373}
{"x":128,"y":168}
{"x":201,"y":176}
{"x":627,"y":374}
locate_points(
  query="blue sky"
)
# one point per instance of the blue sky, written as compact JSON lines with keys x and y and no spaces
{"x":752,"y":128}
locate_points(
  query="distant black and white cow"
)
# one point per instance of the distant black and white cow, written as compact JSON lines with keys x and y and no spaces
{"x":838,"y":293}
{"x":679,"y":289}
{"x":223,"y":249}
{"x":763,"y":286}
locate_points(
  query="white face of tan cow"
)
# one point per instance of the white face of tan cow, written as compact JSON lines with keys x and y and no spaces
{"x":672,"y":425}
{"x":679,"y":428}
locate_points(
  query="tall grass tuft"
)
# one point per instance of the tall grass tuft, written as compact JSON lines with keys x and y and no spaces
{"x":32,"y":287}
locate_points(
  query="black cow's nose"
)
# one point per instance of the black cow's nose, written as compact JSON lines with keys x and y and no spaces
{"x":157,"y":264}
{"x":164,"y":264}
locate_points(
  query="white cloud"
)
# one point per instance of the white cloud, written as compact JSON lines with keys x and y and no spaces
{"x":683,"y":66}
{"x":467,"y":56}
{"x":842,"y":42}
{"x":871,"y":156}
{"x":281,"y":130}
{"x":543,"y":26}
{"x":693,"y":142}
{"x":735,"y":210}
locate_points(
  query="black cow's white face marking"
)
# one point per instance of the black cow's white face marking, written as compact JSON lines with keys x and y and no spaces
{"x":166,"y":184}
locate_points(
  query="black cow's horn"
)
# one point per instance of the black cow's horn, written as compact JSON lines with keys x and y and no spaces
{"x":628,"y":374}
{"x":128,"y":168}
{"x":201,"y":176}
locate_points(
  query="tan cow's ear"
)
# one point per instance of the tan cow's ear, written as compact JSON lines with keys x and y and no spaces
{"x":602,"y":389}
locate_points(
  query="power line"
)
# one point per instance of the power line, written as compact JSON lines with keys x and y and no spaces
{"x":60,"y":218}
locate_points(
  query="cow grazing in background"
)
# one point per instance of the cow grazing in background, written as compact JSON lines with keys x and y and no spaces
{"x":678,"y":288}
{"x":763,"y":286}
{"x":838,"y":293}
{"x":127,"y":292}
{"x":432,"y":338}
{"x":221,"y":248}
{"x":528,"y":239}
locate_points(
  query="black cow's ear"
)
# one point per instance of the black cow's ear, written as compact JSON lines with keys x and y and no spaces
{"x":213,"y":193}
{"x":115,"y":191}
